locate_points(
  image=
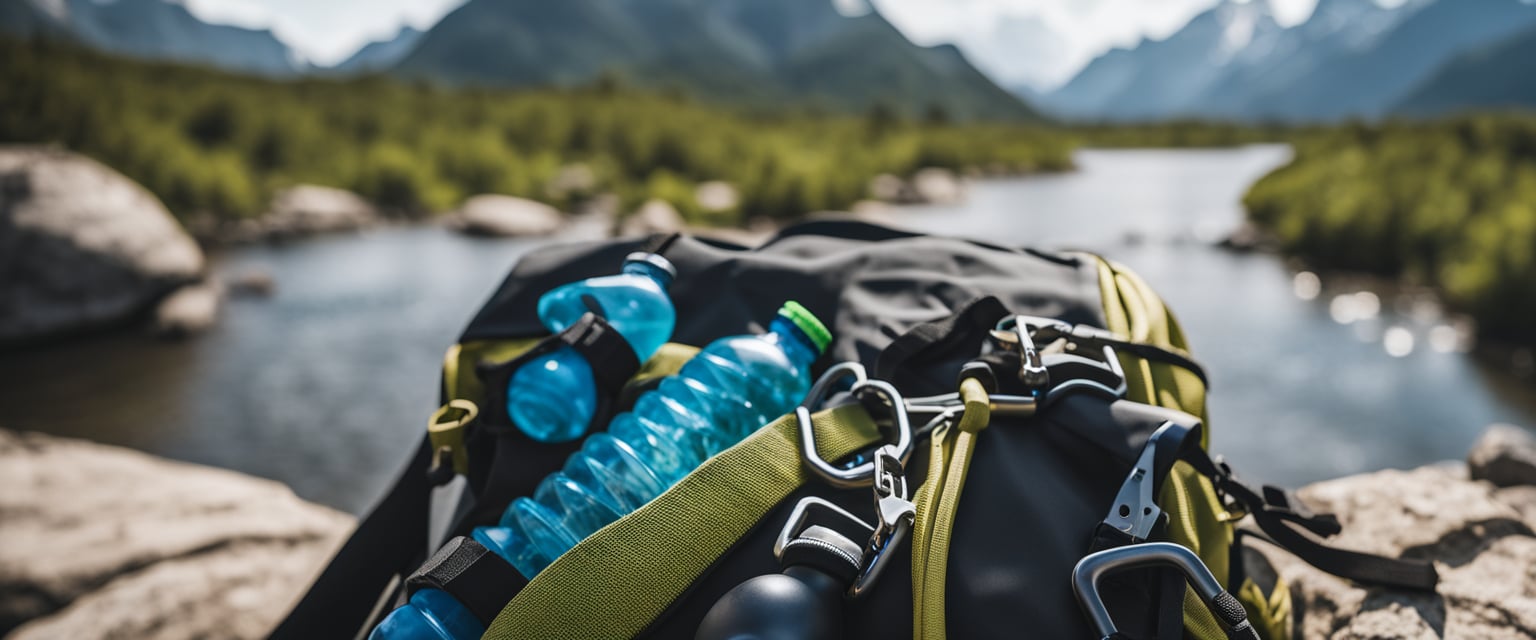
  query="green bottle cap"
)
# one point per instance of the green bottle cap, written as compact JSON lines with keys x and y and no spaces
{"x":808,"y":324}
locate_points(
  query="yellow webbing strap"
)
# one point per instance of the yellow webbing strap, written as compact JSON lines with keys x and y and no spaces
{"x":614,"y":583}
{"x":1196,"y":518}
{"x":937,"y":502}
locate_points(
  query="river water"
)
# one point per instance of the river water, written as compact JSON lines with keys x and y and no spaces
{"x":326,"y":385}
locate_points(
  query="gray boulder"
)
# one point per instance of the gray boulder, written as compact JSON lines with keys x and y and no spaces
{"x":308,"y":209}
{"x":1480,"y":540}
{"x":106,"y":542}
{"x":655,"y":216}
{"x":498,"y":215}
{"x":81,"y":245}
{"x":190,"y":310}
{"x":1504,"y":455}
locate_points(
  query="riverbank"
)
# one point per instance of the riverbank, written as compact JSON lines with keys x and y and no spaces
{"x":1445,"y":204}
{"x":102,"y":542}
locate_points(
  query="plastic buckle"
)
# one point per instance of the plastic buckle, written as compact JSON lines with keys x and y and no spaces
{"x":867,"y":390}
{"x":445,"y":430}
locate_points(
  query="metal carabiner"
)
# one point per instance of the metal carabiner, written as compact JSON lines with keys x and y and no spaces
{"x":864,"y":389}
{"x":896,"y":512}
{"x":1089,"y":571}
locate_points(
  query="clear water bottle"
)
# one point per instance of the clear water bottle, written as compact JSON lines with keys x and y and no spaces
{"x":552,"y":398}
{"x":430,"y":614}
{"x":730,"y":389}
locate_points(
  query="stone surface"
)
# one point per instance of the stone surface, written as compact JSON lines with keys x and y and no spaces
{"x":498,"y":215}
{"x":1504,"y":455}
{"x":81,"y":246}
{"x":189,"y":310}
{"x":99,"y":542}
{"x":938,"y":186}
{"x":927,"y":186}
{"x":1482,"y":546}
{"x":716,"y":195}
{"x":308,"y":209}
{"x":655,"y":216}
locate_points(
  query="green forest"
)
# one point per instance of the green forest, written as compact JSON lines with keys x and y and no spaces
{"x":1449,"y":203}
{"x":211,"y":143}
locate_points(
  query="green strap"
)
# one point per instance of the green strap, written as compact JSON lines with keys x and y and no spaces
{"x":614,"y":583}
{"x":937,"y":501}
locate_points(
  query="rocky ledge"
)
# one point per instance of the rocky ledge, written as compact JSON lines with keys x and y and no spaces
{"x":97,"y":542}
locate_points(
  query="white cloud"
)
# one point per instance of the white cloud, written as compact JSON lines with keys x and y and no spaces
{"x":325,"y":31}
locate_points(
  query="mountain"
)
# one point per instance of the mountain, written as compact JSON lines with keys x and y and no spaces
{"x":1350,"y":58}
{"x":381,"y":54}
{"x":1161,"y":78}
{"x":1496,"y":76}
{"x":1369,"y":82}
{"x":785,"y":51}
{"x":29,"y":19}
{"x":151,"y":29}
{"x":1335,"y":28}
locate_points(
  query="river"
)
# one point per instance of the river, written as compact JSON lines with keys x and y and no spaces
{"x":326,"y":384}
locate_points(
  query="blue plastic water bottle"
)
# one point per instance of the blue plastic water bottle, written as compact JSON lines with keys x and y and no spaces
{"x":430,"y":614}
{"x":730,"y":389}
{"x":552,"y":398}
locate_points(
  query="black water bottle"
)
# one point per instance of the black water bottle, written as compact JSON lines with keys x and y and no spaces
{"x":805,"y":602}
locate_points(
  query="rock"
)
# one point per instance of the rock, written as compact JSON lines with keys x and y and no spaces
{"x":82,"y":245}
{"x":655,"y":216}
{"x":927,"y":186}
{"x":1249,"y":237}
{"x":253,"y":282}
{"x":309,"y":209}
{"x":1504,"y":455}
{"x":1483,"y":548}
{"x":106,"y":542}
{"x":888,"y":188}
{"x":498,"y":215}
{"x":937,"y":186}
{"x":189,"y":310}
{"x":715,"y":196}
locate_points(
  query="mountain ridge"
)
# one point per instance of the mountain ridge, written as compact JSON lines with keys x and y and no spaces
{"x":1349,"y":58}
{"x":775,"y":51}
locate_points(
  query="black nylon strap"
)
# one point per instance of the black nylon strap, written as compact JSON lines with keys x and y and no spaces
{"x":1278,"y":514}
{"x":477,"y":578}
{"x":975,"y":318}
{"x":393,"y":535}
{"x":613,"y":360}
{"x":1158,"y":354}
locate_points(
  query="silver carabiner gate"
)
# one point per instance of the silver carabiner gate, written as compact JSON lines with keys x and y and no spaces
{"x":865,"y":389}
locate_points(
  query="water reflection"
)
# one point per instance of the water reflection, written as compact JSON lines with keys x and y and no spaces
{"x":326,"y":384}
{"x":1308,"y":382}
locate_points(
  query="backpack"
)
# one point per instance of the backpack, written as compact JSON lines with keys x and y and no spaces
{"x":1038,"y":413}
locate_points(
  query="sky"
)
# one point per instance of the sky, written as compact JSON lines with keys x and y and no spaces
{"x":1038,"y":43}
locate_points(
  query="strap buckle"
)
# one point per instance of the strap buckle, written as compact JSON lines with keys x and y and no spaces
{"x":445,"y":430}
{"x":867,"y":390}
{"x":1056,"y":357}
{"x":1135,"y":512}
